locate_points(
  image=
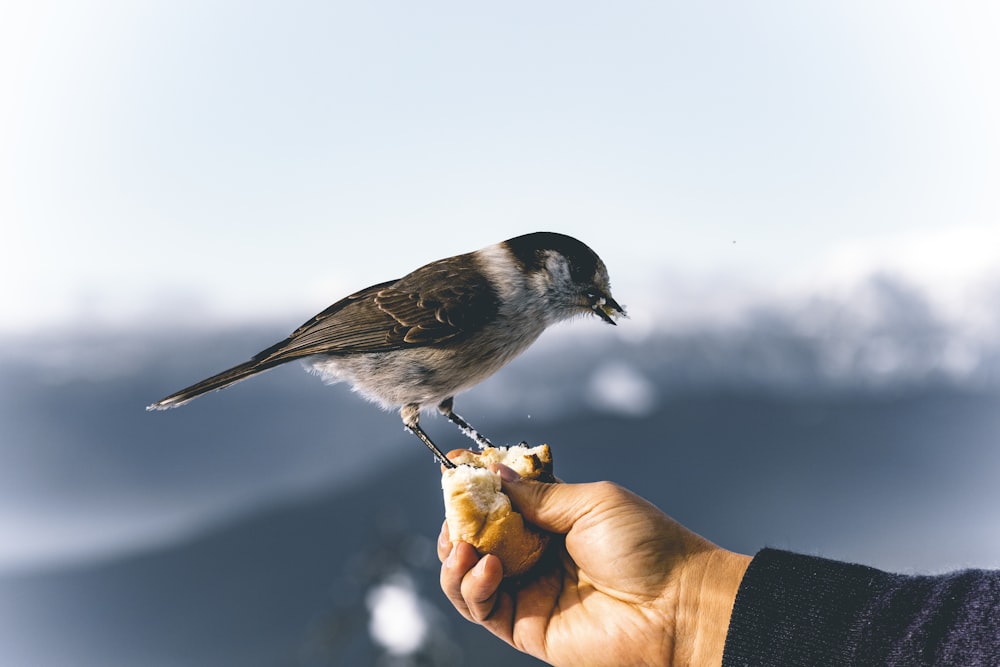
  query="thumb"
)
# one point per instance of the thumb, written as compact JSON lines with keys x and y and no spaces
{"x":554,"y":507}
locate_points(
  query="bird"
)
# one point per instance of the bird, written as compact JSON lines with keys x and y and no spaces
{"x":415,"y":342}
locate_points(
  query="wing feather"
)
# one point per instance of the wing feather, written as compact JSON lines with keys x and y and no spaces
{"x":438,"y":303}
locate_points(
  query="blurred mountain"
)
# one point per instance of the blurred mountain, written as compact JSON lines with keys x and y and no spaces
{"x":255,"y":526}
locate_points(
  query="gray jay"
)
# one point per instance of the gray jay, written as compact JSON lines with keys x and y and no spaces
{"x":417,"y":341}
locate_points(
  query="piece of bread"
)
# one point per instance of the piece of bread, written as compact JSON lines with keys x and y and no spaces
{"x":478,"y":512}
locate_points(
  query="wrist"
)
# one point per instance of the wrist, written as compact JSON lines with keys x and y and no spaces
{"x":707,"y":592}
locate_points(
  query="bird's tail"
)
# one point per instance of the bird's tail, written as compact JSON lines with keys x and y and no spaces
{"x":214,"y":383}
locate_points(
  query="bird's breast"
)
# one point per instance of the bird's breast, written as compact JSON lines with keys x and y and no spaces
{"x":426,"y":375}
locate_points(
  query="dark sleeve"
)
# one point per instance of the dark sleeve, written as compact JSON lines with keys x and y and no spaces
{"x":801,"y":610}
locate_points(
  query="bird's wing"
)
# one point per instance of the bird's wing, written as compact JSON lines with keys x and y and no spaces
{"x":438,"y":303}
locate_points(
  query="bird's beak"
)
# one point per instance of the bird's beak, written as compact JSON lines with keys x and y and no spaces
{"x":606,"y":308}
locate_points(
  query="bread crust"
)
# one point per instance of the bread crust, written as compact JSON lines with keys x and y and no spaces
{"x":479,"y":513}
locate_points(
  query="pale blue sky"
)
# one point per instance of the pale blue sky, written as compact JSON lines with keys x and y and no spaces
{"x":244,"y":161}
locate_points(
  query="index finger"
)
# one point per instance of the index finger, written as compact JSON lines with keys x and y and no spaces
{"x":444,"y":545}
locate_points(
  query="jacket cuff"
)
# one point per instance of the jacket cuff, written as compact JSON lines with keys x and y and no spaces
{"x":799,"y":610}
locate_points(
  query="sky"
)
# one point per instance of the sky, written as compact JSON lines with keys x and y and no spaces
{"x":177,"y":164}
{"x":204,"y":163}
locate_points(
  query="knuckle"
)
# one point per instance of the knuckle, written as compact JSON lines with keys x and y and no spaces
{"x":608,"y":491}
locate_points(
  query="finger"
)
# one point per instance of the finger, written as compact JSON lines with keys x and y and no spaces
{"x":444,"y":543}
{"x":459,"y":561}
{"x":557,"y":507}
{"x":479,"y":587}
{"x":509,"y":474}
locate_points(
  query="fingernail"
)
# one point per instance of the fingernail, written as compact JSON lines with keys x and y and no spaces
{"x":480,"y":569}
{"x":507,"y":474}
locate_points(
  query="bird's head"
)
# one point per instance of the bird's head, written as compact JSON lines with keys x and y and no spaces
{"x":567,"y":273}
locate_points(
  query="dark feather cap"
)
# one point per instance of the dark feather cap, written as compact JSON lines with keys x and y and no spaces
{"x":530,"y":249}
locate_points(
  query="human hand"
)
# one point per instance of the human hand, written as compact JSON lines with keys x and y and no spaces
{"x":629,"y":584}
